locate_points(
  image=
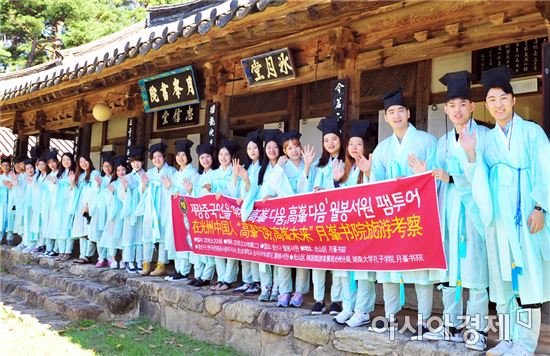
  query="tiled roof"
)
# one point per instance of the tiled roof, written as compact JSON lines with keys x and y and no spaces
{"x":166,"y":26}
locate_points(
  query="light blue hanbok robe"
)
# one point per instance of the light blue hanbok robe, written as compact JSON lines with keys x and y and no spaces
{"x":5,"y":203}
{"x":156,"y":208}
{"x":111,"y":237}
{"x":81,"y":195}
{"x":199,"y":191}
{"x":132,"y":231}
{"x":390,"y":161}
{"x":519,"y":262}
{"x":60,"y":220}
{"x":18,"y":194}
{"x":40,"y":206}
{"x":461,"y":224}
{"x":178,"y":188}
{"x":97,"y":209}
{"x":28,"y":201}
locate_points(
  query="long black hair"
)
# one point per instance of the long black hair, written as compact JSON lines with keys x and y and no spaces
{"x":325,"y":156}
{"x":247,"y":161}
{"x":61,"y":169}
{"x":88,"y":172}
{"x":265,"y":162}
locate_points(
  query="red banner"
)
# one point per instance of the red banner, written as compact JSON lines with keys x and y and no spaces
{"x":386,"y":226}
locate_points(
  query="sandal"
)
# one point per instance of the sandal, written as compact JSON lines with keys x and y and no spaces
{"x":65,"y":257}
{"x":82,"y":261}
{"x":223,"y":287}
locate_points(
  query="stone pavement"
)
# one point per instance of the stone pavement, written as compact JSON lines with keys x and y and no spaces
{"x":84,"y":292}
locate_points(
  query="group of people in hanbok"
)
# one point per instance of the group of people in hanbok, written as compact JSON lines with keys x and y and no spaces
{"x":493,"y":190}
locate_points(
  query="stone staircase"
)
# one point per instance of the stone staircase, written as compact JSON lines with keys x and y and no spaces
{"x":51,"y":290}
{"x":64,"y":288}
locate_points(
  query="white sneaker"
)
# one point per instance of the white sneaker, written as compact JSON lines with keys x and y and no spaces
{"x":19,"y":247}
{"x":518,"y":350}
{"x":443,"y":333}
{"x":343,"y":316}
{"x":28,"y":249}
{"x":475,"y":340}
{"x":113,"y":264}
{"x":500,"y":349}
{"x":358,"y":319}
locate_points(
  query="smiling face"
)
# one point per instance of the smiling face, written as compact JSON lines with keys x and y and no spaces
{"x":252,"y":151}
{"x":500,"y":105}
{"x":66,"y":162}
{"x":272,"y":150}
{"x":293,"y":149}
{"x":121,"y":171}
{"x":459,"y":110}
{"x":52,"y":163}
{"x":158,"y":159}
{"x":181,"y":159}
{"x":331,"y":143}
{"x":5,"y":167}
{"x":107,"y":168}
{"x":41,"y":165}
{"x":19,"y":167}
{"x":29,"y":169}
{"x":355,"y":147}
{"x":206,"y":161}
{"x":397,"y":117}
{"x":136,"y":165}
{"x":84,"y":164}
{"x":224,"y":157}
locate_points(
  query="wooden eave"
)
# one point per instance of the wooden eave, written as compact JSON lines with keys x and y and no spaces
{"x":374,"y":34}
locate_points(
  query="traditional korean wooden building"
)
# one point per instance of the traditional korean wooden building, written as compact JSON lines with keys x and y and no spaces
{"x":258,"y":63}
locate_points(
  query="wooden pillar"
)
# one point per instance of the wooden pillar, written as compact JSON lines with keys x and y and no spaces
{"x":294,"y":106}
{"x":44,"y":139}
{"x":141,"y":129}
{"x":22,"y":146}
{"x":423,"y":92}
{"x":85,"y":139}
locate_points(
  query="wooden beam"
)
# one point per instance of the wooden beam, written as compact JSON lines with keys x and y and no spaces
{"x":453,"y":29}
{"x":255,"y":120}
{"x":525,"y":28}
{"x":498,"y":19}
{"x":421,"y":36}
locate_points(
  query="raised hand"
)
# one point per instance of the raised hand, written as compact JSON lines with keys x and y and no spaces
{"x":111,"y":187}
{"x":417,"y":165}
{"x":308,"y":154}
{"x":236,"y":167}
{"x":166,"y":181}
{"x":338,"y":169}
{"x":364,"y":164}
{"x":188,"y":185}
{"x":98,"y":180}
{"x":468,"y":143}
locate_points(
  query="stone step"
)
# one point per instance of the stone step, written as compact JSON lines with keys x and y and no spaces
{"x":47,"y":320}
{"x":120,"y":301}
{"x":52,"y":299}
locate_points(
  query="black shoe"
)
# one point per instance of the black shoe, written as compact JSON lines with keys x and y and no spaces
{"x":192,"y":281}
{"x":318,"y":308}
{"x":335,"y":308}
{"x":201,"y":283}
{"x":175,"y":277}
{"x":420,"y":331}
{"x":41,"y":249}
{"x":382,"y":324}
